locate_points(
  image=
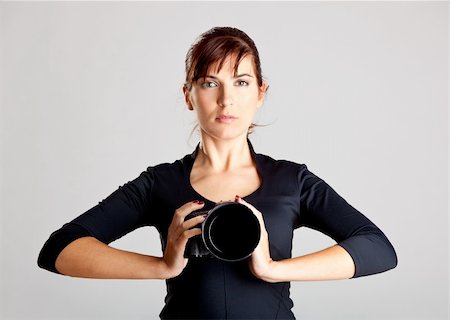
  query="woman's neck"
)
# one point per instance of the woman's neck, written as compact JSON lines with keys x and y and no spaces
{"x":220,"y":156}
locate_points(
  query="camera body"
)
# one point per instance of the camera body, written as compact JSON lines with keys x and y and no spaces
{"x":230,"y":232}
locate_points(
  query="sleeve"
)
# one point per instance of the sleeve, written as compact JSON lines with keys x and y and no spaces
{"x":123,"y":211}
{"x":324,"y":210}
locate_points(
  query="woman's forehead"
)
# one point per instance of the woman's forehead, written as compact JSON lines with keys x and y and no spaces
{"x":230,"y":65}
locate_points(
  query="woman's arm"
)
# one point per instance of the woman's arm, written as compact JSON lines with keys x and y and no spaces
{"x":362,"y":248}
{"x":88,"y":257}
{"x":127,"y":208}
{"x":333,"y":263}
{"x":81,"y":248}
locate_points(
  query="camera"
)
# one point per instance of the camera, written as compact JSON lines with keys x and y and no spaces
{"x":230,"y":232}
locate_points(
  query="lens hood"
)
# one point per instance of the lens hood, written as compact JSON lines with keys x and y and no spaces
{"x":230,"y":232}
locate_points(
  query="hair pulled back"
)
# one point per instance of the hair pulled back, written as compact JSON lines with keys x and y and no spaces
{"x":214,"y":46}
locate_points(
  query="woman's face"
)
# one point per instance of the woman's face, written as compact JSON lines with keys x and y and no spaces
{"x":226,"y":103}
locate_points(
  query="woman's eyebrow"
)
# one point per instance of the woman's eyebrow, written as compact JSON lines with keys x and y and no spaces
{"x":243,"y":75}
{"x":237,"y":76}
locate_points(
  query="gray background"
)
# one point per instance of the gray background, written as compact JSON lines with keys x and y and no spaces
{"x":91,"y":96}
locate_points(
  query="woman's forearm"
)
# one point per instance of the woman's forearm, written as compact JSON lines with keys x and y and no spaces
{"x":88,"y":257}
{"x":333,"y":263}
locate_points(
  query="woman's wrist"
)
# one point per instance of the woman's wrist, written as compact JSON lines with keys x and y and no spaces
{"x":164,"y":270}
{"x":269,"y":272}
{"x":156,"y":268}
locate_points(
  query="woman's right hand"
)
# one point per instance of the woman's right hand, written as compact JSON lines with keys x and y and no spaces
{"x":179,"y":233}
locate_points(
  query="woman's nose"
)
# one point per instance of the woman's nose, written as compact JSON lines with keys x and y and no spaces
{"x":226,"y":98}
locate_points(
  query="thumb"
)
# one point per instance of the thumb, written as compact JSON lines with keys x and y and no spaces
{"x":240,"y":200}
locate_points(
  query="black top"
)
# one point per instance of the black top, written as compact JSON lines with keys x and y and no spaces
{"x":289,"y":197}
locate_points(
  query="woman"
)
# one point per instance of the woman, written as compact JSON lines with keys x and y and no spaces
{"x":224,"y":87}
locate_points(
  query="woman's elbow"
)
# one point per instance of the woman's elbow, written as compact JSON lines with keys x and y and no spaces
{"x":387,"y":256}
{"x":372,"y":253}
{"x":391,"y":257}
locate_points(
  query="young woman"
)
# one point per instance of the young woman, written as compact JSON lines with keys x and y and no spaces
{"x":225,"y":88}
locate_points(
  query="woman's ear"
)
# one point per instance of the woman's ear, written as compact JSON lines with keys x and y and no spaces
{"x":187,"y":98}
{"x":262,"y":93}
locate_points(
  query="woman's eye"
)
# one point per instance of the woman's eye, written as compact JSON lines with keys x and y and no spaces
{"x":242,"y":83}
{"x":208,"y":84}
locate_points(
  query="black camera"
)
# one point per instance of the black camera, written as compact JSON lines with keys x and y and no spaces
{"x":230,"y":232}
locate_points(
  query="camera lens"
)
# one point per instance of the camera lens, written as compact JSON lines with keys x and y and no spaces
{"x":231,"y":231}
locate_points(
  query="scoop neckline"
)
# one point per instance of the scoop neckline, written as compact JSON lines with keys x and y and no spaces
{"x":191,"y":165}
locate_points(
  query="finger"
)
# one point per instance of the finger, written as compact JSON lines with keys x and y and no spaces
{"x":242,"y":201}
{"x":186,"y":235}
{"x":187,"y":208}
{"x":188,"y":224}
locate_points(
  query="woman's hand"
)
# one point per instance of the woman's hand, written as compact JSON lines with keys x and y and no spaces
{"x":260,"y":262}
{"x":179,"y":233}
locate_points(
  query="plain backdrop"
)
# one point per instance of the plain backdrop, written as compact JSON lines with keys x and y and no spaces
{"x":91,"y":96}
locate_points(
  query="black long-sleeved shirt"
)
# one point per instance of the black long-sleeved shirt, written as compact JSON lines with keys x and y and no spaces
{"x":289,"y":197}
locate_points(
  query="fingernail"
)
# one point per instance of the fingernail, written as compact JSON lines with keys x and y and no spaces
{"x":195,"y":201}
{"x":237,"y":198}
{"x":205,"y":215}
{"x":200,"y":202}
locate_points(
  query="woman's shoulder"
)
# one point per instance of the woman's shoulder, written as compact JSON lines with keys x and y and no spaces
{"x":291,"y":171}
{"x":173,"y":170}
{"x":287,"y":164}
{"x":167,"y":168}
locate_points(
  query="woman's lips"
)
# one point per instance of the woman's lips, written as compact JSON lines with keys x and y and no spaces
{"x":226,"y":119}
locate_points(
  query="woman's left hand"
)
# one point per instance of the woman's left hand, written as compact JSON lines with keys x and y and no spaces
{"x":260,"y":262}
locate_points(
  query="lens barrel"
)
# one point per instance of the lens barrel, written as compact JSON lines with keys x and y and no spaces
{"x":230,"y":232}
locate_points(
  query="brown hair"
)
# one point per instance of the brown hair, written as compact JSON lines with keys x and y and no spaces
{"x":214,"y":46}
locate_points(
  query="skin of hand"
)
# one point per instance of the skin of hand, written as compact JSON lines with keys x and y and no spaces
{"x":179,"y":233}
{"x":260,"y":260}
